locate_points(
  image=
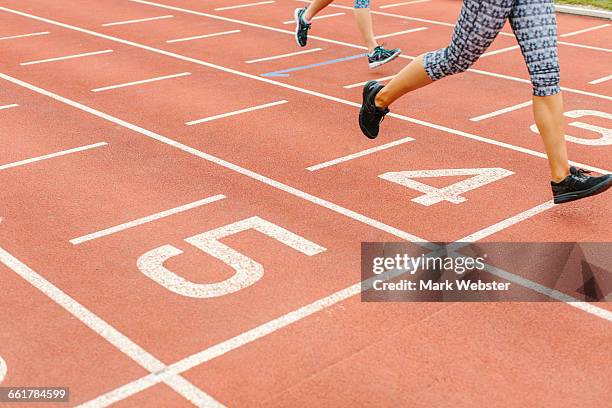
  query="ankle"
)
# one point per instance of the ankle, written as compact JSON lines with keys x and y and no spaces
{"x":559,"y":175}
{"x":380,"y":100}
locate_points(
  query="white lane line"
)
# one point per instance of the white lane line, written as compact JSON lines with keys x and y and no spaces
{"x":238,"y":112}
{"x":358,"y":84}
{"x":281,"y":85}
{"x":317,"y":17}
{"x":412,"y":30}
{"x":589,"y":47}
{"x":52,"y":155}
{"x":402,"y":4}
{"x":280,"y":30}
{"x":87,"y":54}
{"x":144,"y":220}
{"x":24,"y":35}
{"x":501,"y":111}
{"x":12,"y":105}
{"x":495,"y":52}
{"x":141,"y":20}
{"x":261,"y":3}
{"x":600,"y":80}
{"x":106,"y":331}
{"x":198,"y":37}
{"x":586,"y":30}
{"x":144,"y":81}
{"x":284,"y":55}
{"x":508,"y":222}
{"x":359,"y":154}
{"x":228,"y":165}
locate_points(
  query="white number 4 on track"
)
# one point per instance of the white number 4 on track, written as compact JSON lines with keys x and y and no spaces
{"x":433,"y":195}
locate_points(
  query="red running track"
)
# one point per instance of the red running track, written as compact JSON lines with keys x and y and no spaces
{"x":117,"y":173}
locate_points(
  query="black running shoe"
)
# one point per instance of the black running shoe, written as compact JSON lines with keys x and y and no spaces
{"x":381,"y":56}
{"x":578,"y":185}
{"x":370,"y":116}
{"x":301,"y":27}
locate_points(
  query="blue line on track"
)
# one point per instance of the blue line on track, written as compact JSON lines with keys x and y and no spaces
{"x":283,"y":73}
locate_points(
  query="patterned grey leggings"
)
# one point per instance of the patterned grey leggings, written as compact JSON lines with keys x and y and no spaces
{"x":534,"y":25}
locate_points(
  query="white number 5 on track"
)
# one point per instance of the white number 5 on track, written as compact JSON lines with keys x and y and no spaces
{"x":247,"y":270}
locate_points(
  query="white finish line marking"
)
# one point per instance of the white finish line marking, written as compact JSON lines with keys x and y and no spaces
{"x":198,"y":37}
{"x":87,"y":54}
{"x":600,"y":80}
{"x":316,"y":17}
{"x":12,"y":105}
{"x":402,"y":4}
{"x":586,"y":30}
{"x":24,"y":35}
{"x":52,"y":155}
{"x":238,"y":112}
{"x":359,"y":154}
{"x":142,"y":20}
{"x":261,"y":3}
{"x":284,"y":55}
{"x":144,"y":81}
{"x":501,"y":111}
{"x":106,"y":331}
{"x":412,"y":30}
{"x":144,"y":220}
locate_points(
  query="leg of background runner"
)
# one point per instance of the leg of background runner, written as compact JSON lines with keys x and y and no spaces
{"x":364,"y":23}
{"x":314,"y":8}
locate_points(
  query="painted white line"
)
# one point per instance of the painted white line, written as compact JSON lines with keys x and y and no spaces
{"x":52,"y":155}
{"x":144,"y":81}
{"x":583,"y":11}
{"x":588,"y":47}
{"x":102,"y":328}
{"x":586,"y":30}
{"x":24,"y":35}
{"x":261,"y":3}
{"x":317,"y":17}
{"x":142,"y":20}
{"x":359,"y":154}
{"x":228,"y":165}
{"x":238,"y":112}
{"x":501,"y":111}
{"x":87,"y":54}
{"x":280,"y":30}
{"x":600,"y":80}
{"x":402,"y":4}
{"x":508,"y":222}
{"x":105,"y":330}
{"x":359,"y":84}
{"x":198,"y":37}
{"x":495,"y":52}
{"x":282,"y":85}
{"x":283,"y":55}
{"x":412,"y":30}
{"x":144,"y":220}
{"x":13,"y":105}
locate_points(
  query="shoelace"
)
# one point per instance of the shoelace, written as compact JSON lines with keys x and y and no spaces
{"x":582,"y":173}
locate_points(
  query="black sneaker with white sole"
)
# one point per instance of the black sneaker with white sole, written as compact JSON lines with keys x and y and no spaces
{"x":578,"y":185}
{"x":301,"y":27}
{"x":370,"y":116}
{"x":381,"y":56}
